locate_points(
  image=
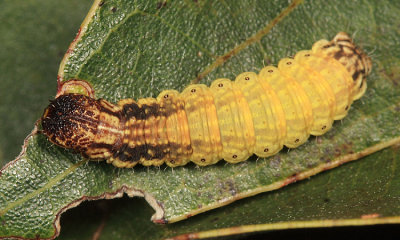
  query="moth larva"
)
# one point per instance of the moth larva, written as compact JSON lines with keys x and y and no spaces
{"x":257,"y":113}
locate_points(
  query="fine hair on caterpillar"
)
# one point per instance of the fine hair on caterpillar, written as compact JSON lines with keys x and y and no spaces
{"x":231,"y":120}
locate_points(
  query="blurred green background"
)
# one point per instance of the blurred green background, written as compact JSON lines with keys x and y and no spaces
{"x":34,"y":35}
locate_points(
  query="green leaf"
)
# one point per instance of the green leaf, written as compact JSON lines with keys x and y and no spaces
{"x":34,"y":37}
{"x":136,"y":49}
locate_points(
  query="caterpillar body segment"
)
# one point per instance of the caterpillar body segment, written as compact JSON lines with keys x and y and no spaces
{"x":231,"y":120}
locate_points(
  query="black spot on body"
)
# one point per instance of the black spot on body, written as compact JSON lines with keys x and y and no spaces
{"x":123,"y":157}
{"x":107,"y":146}
{"x":151,"y":110}
{"x":109,"y":112}
{"x":158,"y":153}
{"x":132,"y":110}
{"x":138,"y":152}
{"x":126,"y":153}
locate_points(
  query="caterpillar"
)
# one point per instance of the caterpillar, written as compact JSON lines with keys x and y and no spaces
{"x":255,"y":114}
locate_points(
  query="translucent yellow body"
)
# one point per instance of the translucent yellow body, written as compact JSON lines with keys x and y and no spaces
{"x":231,"y":120}
{"x":260,"y":113}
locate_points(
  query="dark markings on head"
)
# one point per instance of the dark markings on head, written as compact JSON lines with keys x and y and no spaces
{"x":71,"y":121}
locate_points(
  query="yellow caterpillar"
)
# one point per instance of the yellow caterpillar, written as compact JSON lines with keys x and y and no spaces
{"x":257,"y":113}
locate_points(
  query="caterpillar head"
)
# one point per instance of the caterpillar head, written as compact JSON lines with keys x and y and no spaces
{"x":71,"y":121}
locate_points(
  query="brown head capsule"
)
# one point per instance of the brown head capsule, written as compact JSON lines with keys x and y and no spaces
{"x":71,"y":120}
{"x":84,"y":124}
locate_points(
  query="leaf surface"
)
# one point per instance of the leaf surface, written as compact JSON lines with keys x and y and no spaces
{"x":138,"y":48}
